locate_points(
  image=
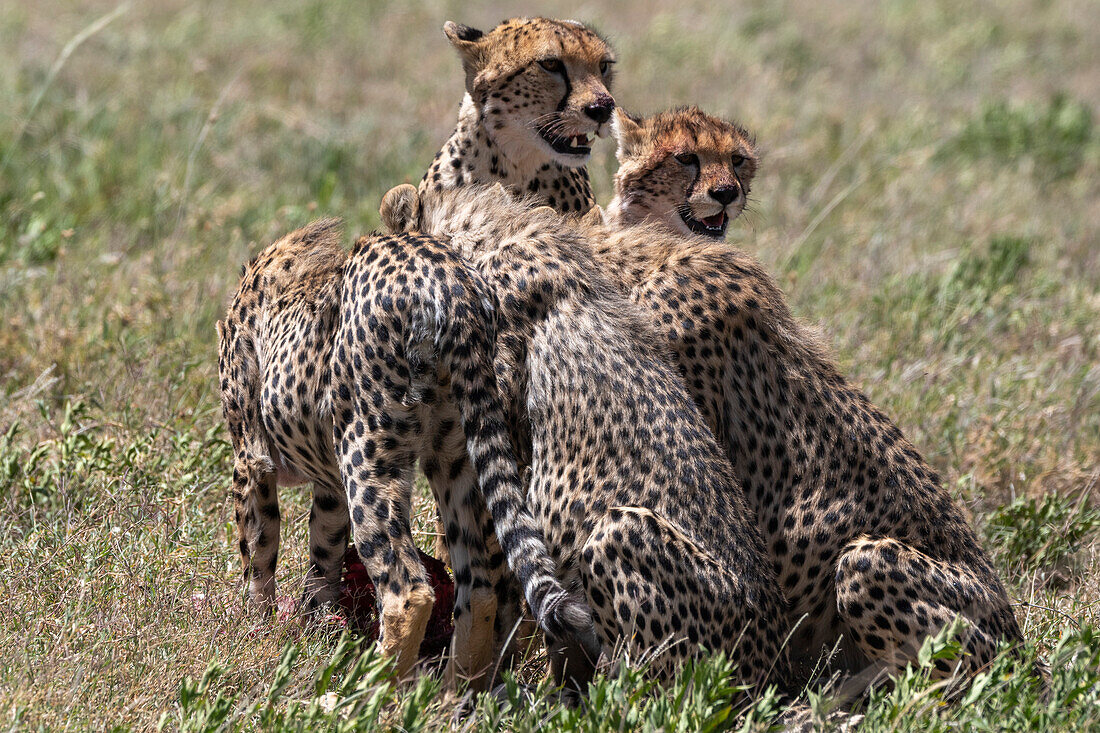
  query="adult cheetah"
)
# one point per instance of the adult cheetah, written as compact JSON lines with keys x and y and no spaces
{"x":867,"y":543}
{"x":682,"y":167}
{"x":424,"y":388}
{"x":637,"y":503}
{"x":537,"y":89}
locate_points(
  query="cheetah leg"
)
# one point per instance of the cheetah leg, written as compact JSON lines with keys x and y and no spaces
{"x":439,"y":549}
{"x":513,"y":630}
{"x":376,"y":465}
{"x":328,"y":538}
{"x":255,"y":498}
{"x":661,"y":595}
{"x":462,"y":511}
{"x":256,"y":503}
{"x":891,"y":597}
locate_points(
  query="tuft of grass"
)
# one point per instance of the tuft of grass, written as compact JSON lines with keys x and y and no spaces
{"x":978,"y":276}
{"x":1006,"y":696}
{"x":1032,"y":534}
{"x":1053,"y":135}
{"x":355,"y":690}
{"x":968,"y":298}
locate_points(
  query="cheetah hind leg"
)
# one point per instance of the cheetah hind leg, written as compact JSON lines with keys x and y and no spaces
{"x":455,"y":486}
{"x":891,"y":597}
{"x":377,"y":458}
{"x":659,"y":594}
{"x":328,"y":540}
{"x":255,"y":497}
{"x":256,"y":507}
{"x":380,"y":499}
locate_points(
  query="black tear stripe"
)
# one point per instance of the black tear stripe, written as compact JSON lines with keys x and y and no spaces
{"x":568,"y":88}
{"x":694,"y":182}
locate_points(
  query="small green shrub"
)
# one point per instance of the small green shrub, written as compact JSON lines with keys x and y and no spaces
{"x":1054,"y":135}
{"x":978,"y":276}
{"x":1041,"y":533}
{"x":942,"y":309}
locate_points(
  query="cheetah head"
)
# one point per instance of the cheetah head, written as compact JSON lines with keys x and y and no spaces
{"x":541,"y":86}
{"x":683,"y":167}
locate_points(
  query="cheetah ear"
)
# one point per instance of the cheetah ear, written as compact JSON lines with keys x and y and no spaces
{"x":468,"y":42}
{"x":498,"y":191}
{"x":629,"y":134}
{"x":593,"y":217}
{"x":400,"y":209}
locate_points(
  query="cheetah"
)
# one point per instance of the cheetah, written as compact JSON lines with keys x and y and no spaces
{"x":867,"y":543}
{"x":638,"y":504}
{"x":537,"y":89}
{"x":278,"y":409}
{"x":289,"y":385}
{"x":683,"y":168}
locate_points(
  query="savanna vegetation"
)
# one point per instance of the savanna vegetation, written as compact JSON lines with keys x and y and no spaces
{"x":929,"y":197}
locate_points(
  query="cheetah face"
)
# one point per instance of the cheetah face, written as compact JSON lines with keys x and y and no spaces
{"x":684,"y":168}
{"x":541,"y":87}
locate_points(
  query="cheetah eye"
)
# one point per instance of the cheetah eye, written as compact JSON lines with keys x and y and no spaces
{"x":690,"y":159}
{"x":554,"y":66}
{"x":738,"y":160}
{"x":605,"y":66}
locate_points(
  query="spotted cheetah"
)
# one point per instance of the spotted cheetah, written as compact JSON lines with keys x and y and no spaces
{"x":867,"y":543}
{"x":536,"y":91}
{"x":683,"y":168}
{"x":638,"y":505}
{"x":278,"y":409}
{"x":420,"y":386}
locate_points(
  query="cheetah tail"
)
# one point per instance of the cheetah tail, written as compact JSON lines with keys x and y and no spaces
{"x":470,"y":332}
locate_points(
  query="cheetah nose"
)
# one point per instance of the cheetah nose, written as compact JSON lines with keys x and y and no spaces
{"x":725,"y":194}
{"x":600,"y":110}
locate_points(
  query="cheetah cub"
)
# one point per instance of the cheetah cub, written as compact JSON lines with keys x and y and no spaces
{"x":344,"y":371}
{"x":682,"y":168}
{"x":537,"y":90}
{"x":638,"y":505}
{"x":866,"y":541}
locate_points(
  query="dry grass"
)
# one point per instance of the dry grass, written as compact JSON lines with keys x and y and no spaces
{"x":925,"y":199}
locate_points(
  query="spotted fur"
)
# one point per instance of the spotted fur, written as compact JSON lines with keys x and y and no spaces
{"x":273,"y":349}
{"x":412,"y":349}
{"x":864,"y":538}
{"x":638,"y":505}
{"x":683,"y":168}
{"x":530,"y":83}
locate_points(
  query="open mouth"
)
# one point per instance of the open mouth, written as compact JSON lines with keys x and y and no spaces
{"x":712,"y":226}
{"x":572,"y":145}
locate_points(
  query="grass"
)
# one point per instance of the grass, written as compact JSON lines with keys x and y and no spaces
{"x":929,"y":198}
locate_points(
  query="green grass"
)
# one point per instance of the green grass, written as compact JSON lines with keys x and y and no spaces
{"x":928,"y":198}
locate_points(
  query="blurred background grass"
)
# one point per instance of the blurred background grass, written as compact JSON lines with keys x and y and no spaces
{"x":929,"y":197}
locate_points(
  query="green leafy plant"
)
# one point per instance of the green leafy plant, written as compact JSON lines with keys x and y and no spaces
{"x":1034,"y":533}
